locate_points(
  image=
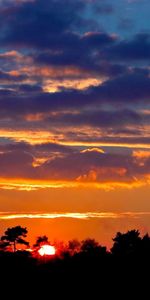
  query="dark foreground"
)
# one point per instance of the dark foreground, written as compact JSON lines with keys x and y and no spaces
{"x":95,"y":273}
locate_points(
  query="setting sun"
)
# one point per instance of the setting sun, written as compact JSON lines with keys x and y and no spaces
{"x":47,"y":250}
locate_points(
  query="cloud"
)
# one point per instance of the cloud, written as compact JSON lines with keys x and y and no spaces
{"x":38,"y":23}
{"x":127,"y":90}
{"x":135,"y":49}
{"x":10,"y":77}
{"x":139,"y":154}
{"x":99,"y":119}
{"x":103,"y":8}
{"x":93,"y":150}
{"x":60,"y":39}
{"x":16,"y":164}
{"x":28,"y":185}
{"x":75,"y":215}
{"x":68,"y":89}
{"x":27,"y":167}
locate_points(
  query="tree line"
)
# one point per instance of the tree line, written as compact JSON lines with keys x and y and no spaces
{"x":124,"y":244}
{"x":86,"y":268}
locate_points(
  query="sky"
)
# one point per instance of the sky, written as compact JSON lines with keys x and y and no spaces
{"x":75,"y":117}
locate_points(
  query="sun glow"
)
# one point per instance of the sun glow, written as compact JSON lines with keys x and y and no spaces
{"x":47,"y":250}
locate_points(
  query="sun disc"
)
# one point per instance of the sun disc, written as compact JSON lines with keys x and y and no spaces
{"x":47,"y":250}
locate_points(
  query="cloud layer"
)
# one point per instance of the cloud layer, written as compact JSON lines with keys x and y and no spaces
{"x":74,"y":95}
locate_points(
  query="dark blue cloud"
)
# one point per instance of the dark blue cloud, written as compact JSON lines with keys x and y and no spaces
{"x":128,"y":90}
{"x":135,"y":49}
{"x":99,"y":119}
{"x":39,"y":23}
{"x":103,"y":8}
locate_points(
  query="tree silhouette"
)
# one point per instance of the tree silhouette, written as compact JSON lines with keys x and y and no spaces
{"x":89,"y":245}
{"x":4,"y":245}
{"x":126,"y":243}
{"x":41,"y":240}
{"x":14,"y":236}
{"x":93,"y":248}
{"x":74,"y":246}
{"x":145,"y":245}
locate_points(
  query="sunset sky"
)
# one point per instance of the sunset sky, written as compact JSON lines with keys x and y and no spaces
{"x":75,"y":117}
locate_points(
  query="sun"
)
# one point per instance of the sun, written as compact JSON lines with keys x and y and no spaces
{"x":47,"y":250}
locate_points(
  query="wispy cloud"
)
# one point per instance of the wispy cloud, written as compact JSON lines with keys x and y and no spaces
{"x":72,"y":215}
{"x":27,"y":185}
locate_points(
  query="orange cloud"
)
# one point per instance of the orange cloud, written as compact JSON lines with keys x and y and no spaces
{"x":141,"y":154}
{"x":52,"y":86}
{"x":105,"y":144}
{"x":74,"y":215}
{"x":47,"y":72}
{"x":39,"y":161}
{"x":34,"y":137}
{"x":11,"y":54}
{"x":93,"y":150}
{"x":91,"y":176}
{"x":97,"y":173}
{"x":31,"y":185}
